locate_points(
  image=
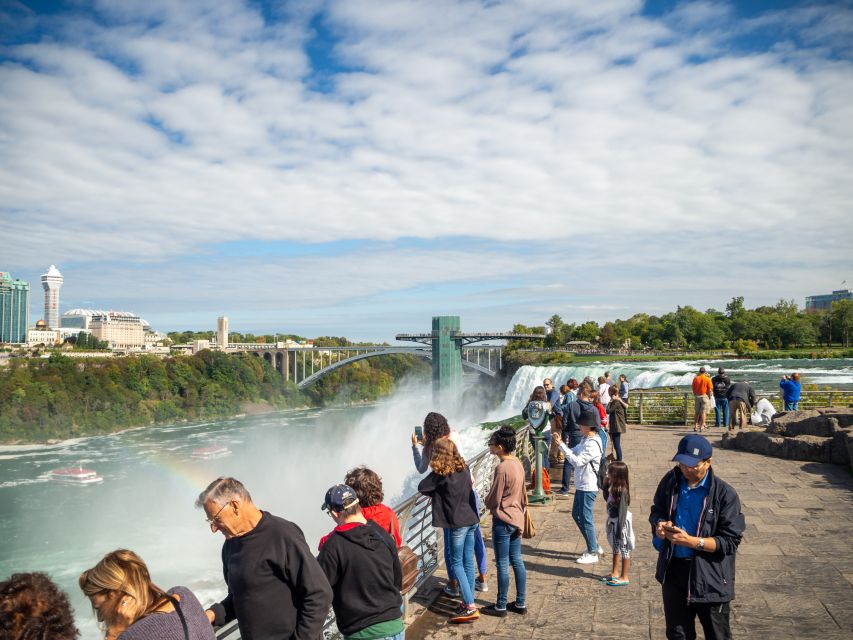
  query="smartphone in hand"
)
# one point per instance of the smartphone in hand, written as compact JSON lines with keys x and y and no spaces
{"x":419,"y":434}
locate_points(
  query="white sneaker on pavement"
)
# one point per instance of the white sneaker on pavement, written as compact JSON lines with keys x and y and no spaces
{"x":587,"y":558}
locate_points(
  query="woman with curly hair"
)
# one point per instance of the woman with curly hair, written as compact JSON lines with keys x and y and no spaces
{"x":368,"y":487}
{"x":454,"y":507}
{"x":32,"y":607}
{"x":131,"y":607}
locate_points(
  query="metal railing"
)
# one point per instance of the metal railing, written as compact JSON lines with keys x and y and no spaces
{"x":415,"y":515}
{"x":676,"y":407}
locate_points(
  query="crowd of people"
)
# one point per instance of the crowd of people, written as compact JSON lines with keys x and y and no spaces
{"x":277,"y":587}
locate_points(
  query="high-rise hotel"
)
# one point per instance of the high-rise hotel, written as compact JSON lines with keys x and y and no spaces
{"x":14,"y":309}
{"x":51,"y":281}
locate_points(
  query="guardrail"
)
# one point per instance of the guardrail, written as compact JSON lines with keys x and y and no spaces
{"x":415,"y":515}
{"x":676,"y":407}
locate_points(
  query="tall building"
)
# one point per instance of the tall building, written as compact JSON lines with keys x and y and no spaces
{"x":51,"y":282}
{"x":14,"y":309}
{"x":824,"y":302}
{"x":222,"y":332}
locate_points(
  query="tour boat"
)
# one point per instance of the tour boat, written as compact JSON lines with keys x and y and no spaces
{"x":75,"y":475}
{"x":212,"y":452}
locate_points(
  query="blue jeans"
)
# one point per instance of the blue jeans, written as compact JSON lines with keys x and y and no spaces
{"x":507,"y":542}
{"x":721,"y":411}
{"x":462,"y":560}
{"x":792,"y":406}
{"x":479,"y":549}
{"x":582,"y":514}
{"x":617,"y":444}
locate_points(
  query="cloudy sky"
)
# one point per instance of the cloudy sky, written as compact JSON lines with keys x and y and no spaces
{"x":353,"y":167}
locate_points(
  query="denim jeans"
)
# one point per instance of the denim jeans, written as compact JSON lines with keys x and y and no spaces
{"x":507,"y":542}
{"x":721,"y":412}
{"x":462,"y":560}
{"x":479,"y":550}
{"x":617,"y":444}
{"x":583,"y":516}
{"x":792,"y":406}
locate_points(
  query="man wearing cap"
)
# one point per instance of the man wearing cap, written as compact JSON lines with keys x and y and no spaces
{"x":702,"y":394}
{"x":697,"y":526}
{"x":276,"y":589}
{"x":360,"y":561}
{"x":721,"y":383}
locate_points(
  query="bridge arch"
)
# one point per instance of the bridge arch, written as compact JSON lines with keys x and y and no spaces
{"x":422,"y":353}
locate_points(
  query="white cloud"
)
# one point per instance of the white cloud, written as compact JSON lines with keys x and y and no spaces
{"x":162,"y":129}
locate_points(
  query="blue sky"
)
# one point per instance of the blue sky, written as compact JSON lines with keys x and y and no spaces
{"x":354,"y":167}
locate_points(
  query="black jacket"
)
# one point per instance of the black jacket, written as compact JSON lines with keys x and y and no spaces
{"x":453,"y":502}
{"x":712,"y":575}
{"x":742,"y":391}
{"x":362,"y":566}
{"x":276,"y":589}
{"x":721,"y":386}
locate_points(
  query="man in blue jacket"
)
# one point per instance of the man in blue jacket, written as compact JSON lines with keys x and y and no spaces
{"x":791,"y":389}
{"x":696,"y":572}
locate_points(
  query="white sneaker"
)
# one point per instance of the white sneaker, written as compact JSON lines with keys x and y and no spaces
{"x":600,"y":551}
{"x":587,"y":558}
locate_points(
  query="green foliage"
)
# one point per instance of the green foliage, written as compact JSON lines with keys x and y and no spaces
{"x":367,"y":380}
{"x":744,"y":347}
{"x":63,"y":397}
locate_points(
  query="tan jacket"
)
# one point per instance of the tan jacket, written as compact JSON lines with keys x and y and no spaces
{"x":505,"y":500}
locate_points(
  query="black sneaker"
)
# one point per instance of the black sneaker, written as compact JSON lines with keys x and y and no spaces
{"x":464,"y":614}
{"x":522,"y":611}
{"x":492,"y":610}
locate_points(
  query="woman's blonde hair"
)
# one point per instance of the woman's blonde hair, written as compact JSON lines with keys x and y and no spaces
{"x":122,"y":576}
{"x":445,"y":458}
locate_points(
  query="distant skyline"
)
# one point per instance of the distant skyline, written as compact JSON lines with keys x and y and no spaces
{"x":345,"y":167}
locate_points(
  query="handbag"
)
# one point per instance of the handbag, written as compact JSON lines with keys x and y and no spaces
{"x":409,"y":567}
{"x":529,"y":528}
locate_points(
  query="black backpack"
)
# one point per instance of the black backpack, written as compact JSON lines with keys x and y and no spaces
{"x":602,"y":466}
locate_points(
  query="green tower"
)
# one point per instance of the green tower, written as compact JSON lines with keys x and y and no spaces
{"x":446,"y":362}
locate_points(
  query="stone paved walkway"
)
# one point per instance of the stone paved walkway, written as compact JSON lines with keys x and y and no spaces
{"x":794,"y":567}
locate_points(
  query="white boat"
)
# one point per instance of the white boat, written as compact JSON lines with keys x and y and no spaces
{"x":75,"y":475}
{"x":212,"y":452}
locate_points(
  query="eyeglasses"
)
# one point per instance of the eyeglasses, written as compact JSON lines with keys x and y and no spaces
{"x":215,"y":519}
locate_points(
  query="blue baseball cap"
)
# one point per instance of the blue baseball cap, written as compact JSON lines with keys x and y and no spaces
{"x":693,"y":449}
{"x":340,"y":497}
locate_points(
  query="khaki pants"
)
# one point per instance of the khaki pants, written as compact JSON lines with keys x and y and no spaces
{"x":738,"y":414}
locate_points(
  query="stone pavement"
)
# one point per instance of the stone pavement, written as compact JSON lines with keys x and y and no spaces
{"x":794,"y":566}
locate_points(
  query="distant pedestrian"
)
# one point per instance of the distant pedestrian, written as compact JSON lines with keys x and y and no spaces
{"x":360,"y":561}
{"x":619,"y":527}
{"x":276,"y":589}
{"x":721,"y":384}
{"x":506,"y":502}
{"x":741,"y":398}
{"x":763,"y":412}
{"x":132,"y":607}
{"x":32,"y":607}
{"x":624,"y":387}
{"x":791,"y":390}
{"x":604,"y":390}
{"x":368,"y":487}
{"x":571,"y":429}
{"x":556,"y":420}
{"x":702,"y":398}
{"x":454,"y":507}
{"x":617,"y":419}
{"x":586,"y":459}
{"x":696,"y":572}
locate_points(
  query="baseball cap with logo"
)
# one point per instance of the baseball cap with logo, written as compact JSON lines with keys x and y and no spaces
{"x":692,"y":450}
{"x":339,"y":497}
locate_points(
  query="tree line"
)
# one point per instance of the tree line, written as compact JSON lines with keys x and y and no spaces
{"x":61,"y":397}
{"x":781,"y":326}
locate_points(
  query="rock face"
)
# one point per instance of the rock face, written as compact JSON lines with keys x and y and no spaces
{"x":817,"y":435}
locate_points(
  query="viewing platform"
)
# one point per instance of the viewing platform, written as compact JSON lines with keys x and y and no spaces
{"x":794,"y":566}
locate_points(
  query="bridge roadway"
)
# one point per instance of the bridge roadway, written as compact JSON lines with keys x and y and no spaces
{"x":794,"y":567}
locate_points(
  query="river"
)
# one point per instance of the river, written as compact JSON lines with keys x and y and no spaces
{"x":287,"y":460}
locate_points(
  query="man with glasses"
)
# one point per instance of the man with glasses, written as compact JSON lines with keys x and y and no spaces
{"x":697,"y":526}
{"x":276,"y":589}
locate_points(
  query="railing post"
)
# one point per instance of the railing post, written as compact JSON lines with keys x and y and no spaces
{"x":830,"y":398}
{"x":686,"y":410}
{"x":641,"y":407}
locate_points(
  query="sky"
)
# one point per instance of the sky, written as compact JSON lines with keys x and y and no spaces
{"x":355,"y":167}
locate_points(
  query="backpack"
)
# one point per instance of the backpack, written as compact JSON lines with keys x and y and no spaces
{"x":601,"y":472}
